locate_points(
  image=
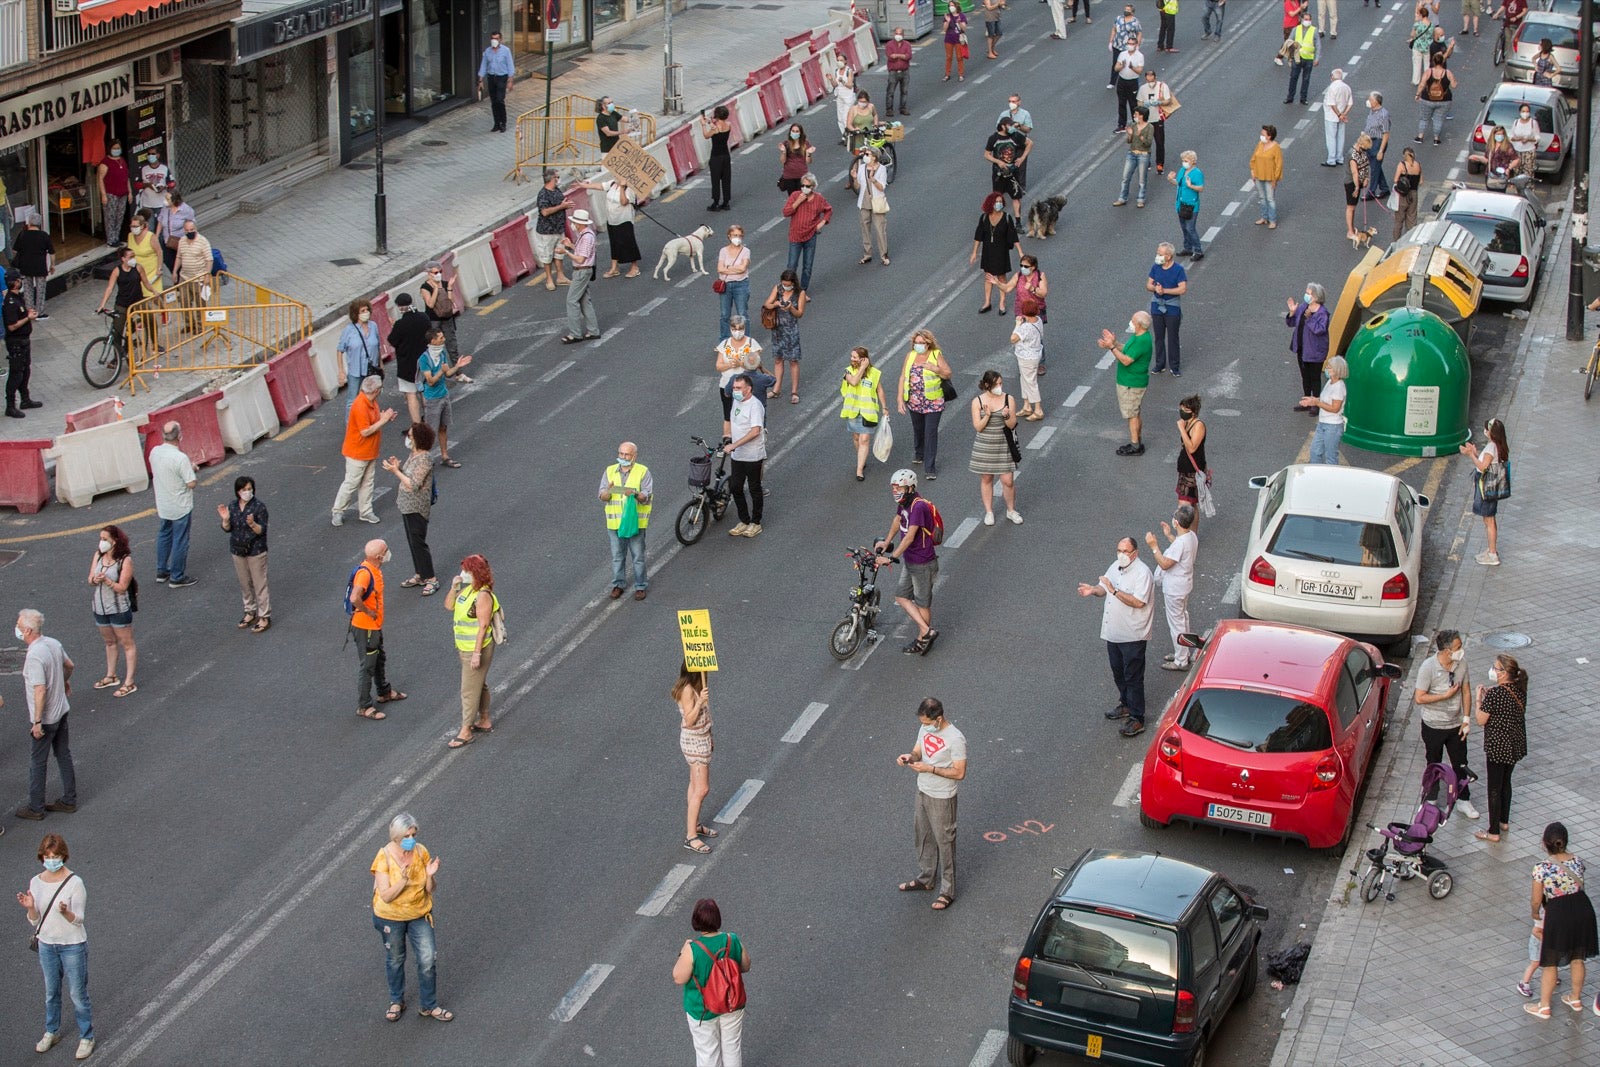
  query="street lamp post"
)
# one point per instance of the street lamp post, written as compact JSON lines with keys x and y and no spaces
{"x":380,"y":204}
{"x":1580,"y":185}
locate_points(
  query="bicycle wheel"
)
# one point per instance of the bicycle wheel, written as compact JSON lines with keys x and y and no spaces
{"x":692,"y":521}
{"x":846,"y":638}
{"x":102,"y":363}
{"x":893,"y":164}
{"x":1594,"y":366}
{"x":1499,"y":56}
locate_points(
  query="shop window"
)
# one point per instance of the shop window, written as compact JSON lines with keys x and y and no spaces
{"x":71,"y":215}
{"x":16,"y":189}
{"x":608,"y":13}
{"x":432,"y":52}
{"x":362,"y":114}
{"x":641,"y":6}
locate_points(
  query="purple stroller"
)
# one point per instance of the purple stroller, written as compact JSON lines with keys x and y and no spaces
{"x":1410,"y":841}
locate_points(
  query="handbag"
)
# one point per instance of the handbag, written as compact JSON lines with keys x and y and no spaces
{"x":880,"y":204}
{"x":769,"y":318}
{"x":719,"y":287}
{"x":1011,"y":438}
{"x":883,"y":441}
{"x":1202,"y":485}
{"x":1494,"y":482}
{"x":1186,"y":212}
{"x":966,"y":53}
{"x":949,"y":389}
{"x":33,"y":942}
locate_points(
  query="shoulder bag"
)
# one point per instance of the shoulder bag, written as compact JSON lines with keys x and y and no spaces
{"x":1494,"y":482}
{"x":1202,"y":483}
{"x":33,"y":942}
{"x":1011,"y":435}
{"x":769,"y":318}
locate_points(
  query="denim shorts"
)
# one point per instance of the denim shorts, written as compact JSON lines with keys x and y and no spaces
{"x":857,"y":426}
{"x":916,"y":582}
{"x":120,"y":619}
{"x":1534,"y":945}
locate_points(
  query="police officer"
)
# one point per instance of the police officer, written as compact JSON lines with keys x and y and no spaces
{"x":18,"y":318}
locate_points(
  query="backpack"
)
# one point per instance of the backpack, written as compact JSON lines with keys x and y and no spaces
{"x":936,"y":531}
{"x":723,"y":991}
{"x":133,"y":595}
{"x":350,"y":587}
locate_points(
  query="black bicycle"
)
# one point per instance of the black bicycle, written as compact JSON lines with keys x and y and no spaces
{"x":864,"y":607}
{"x":711,"y":494}
{"x":105,"y":359}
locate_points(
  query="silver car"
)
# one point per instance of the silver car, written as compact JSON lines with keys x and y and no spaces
{"x":1562,"y":31}
{"x":1557,"y":125}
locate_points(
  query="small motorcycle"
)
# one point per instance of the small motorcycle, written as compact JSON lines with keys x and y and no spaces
{"x":711,"y":494}
{"x":864,"y":607}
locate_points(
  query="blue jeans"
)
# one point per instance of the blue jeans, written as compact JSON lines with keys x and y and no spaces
{"x":73,"y":962}
{"x":1215,"y":11}
{"x":620,"y":547}
{"x":1428,"y":111}
{"x":419,"y":933}
{"x":1299,"y":69}
{"x":805,"y":251}
{"x":735,"y":301}
{"x":1127,"y":670}
{"x":53,"y":739}
{"x":1269,"y":199}
{"x":1135,"y":162}
{"x":1325,"y":442}
{"x":1191,"y":233}
{"x":172,"y":547}
{"x":1380,"y":182}
{"x":1164,"y":330}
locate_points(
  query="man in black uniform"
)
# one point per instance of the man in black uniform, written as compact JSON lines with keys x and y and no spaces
{"x":18,"y":318}
{"x":408,"y":337}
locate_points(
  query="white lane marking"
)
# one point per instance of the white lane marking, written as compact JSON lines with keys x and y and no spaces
{"x":1130,"y":786}
{"x":1075,"y":397}
{"x":1105,"y":361}
{"x":580,"y":993}
{"x":1248,"y":187}
{"x":989,"y":1049}
{"x":1039,"y":64}
{"x":840,"y":176}
{"x":769,"y":224}
{"x":498,"y":410}
{"x":699,"y":389}
{"x":1364,"y":46}
{"x":1041,"y":437}
{"x":962,"y":92}
{"x":739,"y":801}
{"x":559,"y":408}
{"x":1455,"y":172}
{"x":1211,"y":234}
{"x":978,"y":81}
{"x":645,"y":309}
{"x":753,"y":146}
{"x":1286,"y":142}
{"x":932,"y":111}
{"x":962,"y":532}
{"x":1353,"y":60}
{"x":1314,"y":107}
{"x":661,"y":896}
{"x":1231,"y":596}
{"x":550,"y":375}
{"x":1233,"y":206}
{"x":807,"y":719}
{"x":1302,"y":124}
{"x":1386,"y":20}
{"x":690,"y":280}
{"x":856,"y":662}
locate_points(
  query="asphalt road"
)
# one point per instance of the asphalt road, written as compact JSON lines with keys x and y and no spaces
{"x":230,"y":809}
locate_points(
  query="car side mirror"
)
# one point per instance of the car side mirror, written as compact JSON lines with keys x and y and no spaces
{"x":1437,"y":204}
{"x":1539,"y":222}
{"x":1258,"y":482}
{"x":1483,"y":99}
{"x":1258,"y":911}
{"x":1390,"y":671}
{"x":1191,"y":641}
{"x":1422,"y":500}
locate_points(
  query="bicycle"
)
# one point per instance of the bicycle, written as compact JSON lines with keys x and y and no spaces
{"x":880,"y":139}
{"x":711,"y":493}
{"x":864,"y":607}
{"x":1502,"y":40}
{"x":105,"y":359}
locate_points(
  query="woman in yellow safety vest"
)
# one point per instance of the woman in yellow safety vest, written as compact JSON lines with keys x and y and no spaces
{"x":473,"y":605}
{"x":864,"y":405}
{"x":922,"y":393}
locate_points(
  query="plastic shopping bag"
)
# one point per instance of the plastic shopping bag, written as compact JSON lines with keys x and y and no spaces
{"x":883,"y":441}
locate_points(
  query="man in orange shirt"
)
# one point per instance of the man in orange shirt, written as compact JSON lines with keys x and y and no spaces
{"x":366,"y":626}
{"x":362,"y":438}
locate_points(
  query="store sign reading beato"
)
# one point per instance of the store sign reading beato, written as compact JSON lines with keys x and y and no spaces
{"x":67,"y":103}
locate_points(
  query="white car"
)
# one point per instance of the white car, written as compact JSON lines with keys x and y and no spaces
{"x":1512,"y":230}
{"x":1338,"y":548}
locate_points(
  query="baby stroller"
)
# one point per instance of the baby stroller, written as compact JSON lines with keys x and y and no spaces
{"x":1410,"y":841}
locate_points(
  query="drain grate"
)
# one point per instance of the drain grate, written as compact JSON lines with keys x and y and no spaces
{"x":436,"y":144}
{"x":345,"y":262}
{"x":1507,"y":639}
{"x":11,"y":660}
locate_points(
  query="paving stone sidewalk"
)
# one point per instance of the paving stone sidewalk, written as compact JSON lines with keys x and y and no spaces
{"x":445,"y":183}
{"x":1422,"y":982}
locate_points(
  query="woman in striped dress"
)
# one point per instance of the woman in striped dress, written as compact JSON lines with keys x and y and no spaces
{"x":693,"y":696}
{"x":994,"y":417}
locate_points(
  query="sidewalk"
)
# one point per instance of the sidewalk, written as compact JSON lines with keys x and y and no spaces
{"x":444,"y":182}
{"x":1426,"y":982}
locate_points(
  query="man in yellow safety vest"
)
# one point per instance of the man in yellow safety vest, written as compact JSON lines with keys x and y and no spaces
{"x":626,"y":490}
{"x":1303,"y":55}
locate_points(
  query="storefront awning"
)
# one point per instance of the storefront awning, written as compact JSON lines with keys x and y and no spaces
{"x":95,"y":12}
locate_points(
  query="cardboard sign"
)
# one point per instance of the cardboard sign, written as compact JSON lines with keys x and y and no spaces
{"x":699,"y":651}
{"x":639,"y":169}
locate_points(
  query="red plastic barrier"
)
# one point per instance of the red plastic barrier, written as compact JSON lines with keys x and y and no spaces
{"x":793,"y":42}
{"x":292,"y":383}
{"x":811,"y":78}
{"x":819,"y":43}
{"x":846,"y":46}
{"x":773,"y":105}
{"x":513,"y":253}
{"x":447,"y":266}
{"x":100,"y":413}
{"x":383,"y":319}
{"x":24,"y":485}
{"x":202,"y":432}
{"x":681,"y":151}
{"x":767,"y":72}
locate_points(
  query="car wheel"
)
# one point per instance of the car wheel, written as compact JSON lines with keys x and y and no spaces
{"x":1019,"y":1054}
{"x":1248,"y":986}
{"x":1148,"y":823}
{"x":1197,"y":1058}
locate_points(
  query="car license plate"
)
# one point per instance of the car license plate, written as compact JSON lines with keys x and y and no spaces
{"x":1340,"y":590}
{"x":1239,"y":815}
{"x":1092,"y":1049}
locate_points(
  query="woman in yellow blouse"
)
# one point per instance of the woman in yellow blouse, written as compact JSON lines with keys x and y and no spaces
{"x":402,"y":911}
{"x":146,"y":249}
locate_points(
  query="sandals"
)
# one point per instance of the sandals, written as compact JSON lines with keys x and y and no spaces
{"x":794,"y":398}
{"x":1484,"y":835}
{"x":244,"y":624}
{"x":371,"y":713}
{"x":430,"y":587}
{"x":263,"y":624}
{"x":570,"y":339}
{"x":705,"y":831}
{"x":1537,"y":1011}
{"x":392,"y":695}
{"x":985,"y":309}
{"x":126,"y":690}
{"x":772,"y":394}
{"x":459,"y":742}
{"x":865,"y":260}
{"x":694,"y":844}
{"x":1575,"y":1003}
{"x":107,"y":682}
{"x":483,"y":729}
{"x":397,"y":1009}
{"x":942,"y":901}
{"x":453,"y":464}
{"x":611,"y":274}
{"x":913,"y":886}
{"x":411,"y":582}
{"x":437,"y":1013}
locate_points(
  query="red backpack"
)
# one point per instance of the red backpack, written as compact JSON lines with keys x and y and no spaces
{"x":723,"y":991}
{"x":937,"y":531}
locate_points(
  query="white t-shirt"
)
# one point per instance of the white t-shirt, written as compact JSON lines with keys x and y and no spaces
{"x":1120,"y":622}
{"x":1178,"y":579}
{"x":746,"y":416}
{"x":171,"y":471}
{"x":941,"y":748}
{"x":1030,"y":341}
{"x":616,"y":210}
{"x":1337,"y":95}
{"x":1129,"y":61}
{"x":1331,"y":392}
{"x":1151,"y":94}
{"x":56,"y":930}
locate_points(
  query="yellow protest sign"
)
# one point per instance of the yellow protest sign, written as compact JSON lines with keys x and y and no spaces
{"x":699,"y":651}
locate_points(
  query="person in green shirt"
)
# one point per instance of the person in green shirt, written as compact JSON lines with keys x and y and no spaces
{"x":717,"y":1038}
{"x":1133,"y":375}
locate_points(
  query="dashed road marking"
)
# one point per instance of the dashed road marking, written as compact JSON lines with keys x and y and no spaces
{"x":739,"y":801}
{"x":1075,"y":397}
{"x":962,"y":532}
{"x":1286,"y":142}
{"x":856,"y":662}
{"x":1455,"y":172}
{"x":932,"y":111}
{"x":574,"y":398}
{"x":498,"y":410}
{"x":1248,"y":187}
{"x":1302,"y":124}
{"x":1105,"y":361}
{"x":840,"y":176}
{"x":485,"y":309}
{"x":1211,"y":234}
{"x":808,"y":718}
{"x":1130,"y":786}
{"x":1230,"y":209}
{"x":978,"y":81}
{"x":1365,"y":45}
{"x":1039,"y":64}
{"x":989,"y":1049}
{"x":662,"y":894}
{"x":1041,"y":437}
{"x":769,"y":224}
{"x":645,"y":309}
{"x":753,"y":146}
{"x":580,"y":993}
{"x":550,"y":375}
{"x":957,"y":95}
{"x":1231,"y":595}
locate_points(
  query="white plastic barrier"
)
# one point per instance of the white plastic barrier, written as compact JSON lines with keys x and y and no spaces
{"x":326,"y":362}
{"x":794,"y":90}
{"x":752,"y":120}
{"x":479,"y":277}
{"x":98,"y":460}
{"x":658,"y":150}
{"x":866,"y":46}
{"x":246,"y":412}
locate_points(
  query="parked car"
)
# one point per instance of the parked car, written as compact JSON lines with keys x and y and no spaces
{"x":1274,"y":732}
{"x":1562,"y":30}
{"x":1564,"y":7}
{"x":1134,"y":959}
{"x":1513,"y":230}
{"x":1557,"y":121}
{"x":1334,"y":547}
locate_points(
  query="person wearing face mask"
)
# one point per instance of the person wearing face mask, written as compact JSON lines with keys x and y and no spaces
{"x":719,"y":164}
{"x":439,"y":301}
{"x":170,"y":224}
{"x":365,"y":602}
{"x":1129,"y":68}
{"x":910,"y":542}
{"x":898,"y":57}
{"x":1192,"y":464}
{"x":1309,"y":320}
{"x":607,"y":124}
{"x":1155,"y":96}
{"x":124,"y":288}
{"x":1128,"y":589}
{"x":794,"y":154}
{"x":748,"y":453}
{"x":1329,"y":406}
{"x":18,"y":319}
{"x":112,"y":177}
{"x":46,"y":683}
{"x":1496,"y":449}
{"x":112,"y":593}
{"x":625,"y":481}
{"x":955,"y":41}
{"x":1167,"y":283}
{"x":473,"y":608}
{"x":994,"y":418}
{"x":172,"y":475}
{"x":55,"y":903}
{"x":733,"y":270}
{"x":1125,"y":31}
{"x":841,"y":82}
{"x":731,"y":355}
{"x":1524,"y":135}
{"x":497,"y":74}
{"x":244,"y":520}
{"x":1133,"y":376}
{"x":361,"y":349}
{"x":436,"y":370}
{"x":193,"y":275}
{"x":869,"y":176}
{"x":414,"y":501}
{"x":1444,"y":695}
{"x":924,"y":378}
{"x":1378,"y":126}
{"x":146,"y":250}
{"x":860,"y":117}
{"x":362,"y":439}
{"x":1502,"y":162}
{"x":1503,"y":714}
{"x":787,"y":302}
{"x":864,"y":405}
{"x":549,"y":227}
{"x":409,"y":336}
{"x":1174,"y":573}
{"x":404,"y":878}
{"x":808,"y":211}
{"x":154,"y":181}
{"x":1027,"y":344}
{"x":1266,"y":170}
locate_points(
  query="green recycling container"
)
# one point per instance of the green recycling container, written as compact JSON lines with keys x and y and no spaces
{"x":1410,"y":382}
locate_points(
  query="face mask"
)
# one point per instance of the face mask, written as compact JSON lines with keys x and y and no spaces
{"x":1523,"y":115}
{"x":1130,"y":326}
{"x":788,"y":288}
{"x":408,"y":842}
{"x":154,"y":161}
{"x":105,"y":546}
{"x":127,"y":264}
{"x":1499,"y":137}
{"x":434,"y":275}
{"x":1456,"y":656}
{"x":899,"y":494}
{"x":364,"y":315}
{"x":494,"y":44}
{"x":611,"y":107}
{"x":116,"y":153}
{"x":1026,"y":270}
{"x":409,"y":445}
{"x":899,"y":36}
{"x":1308,"y":298}
{"x":52,"y":864}
{"x":435,"y":350}
{"x":246,"y":495}
{"x":794,"y":135}
{"x":1124,"y":560}
{"x":18,"y":631}
{"x":1186,"y":415}
{"x":736,"y":241}
{"x":466,"y":578}
{"x":192,"y":234}
{"x":1264,"y":139}
{"x":919,"y":348}
{"x":1160,"y":260}
{"x":999,"y":390}
{"x":624,"y":461}
{"x":387,"y":555}
{"x":137,"y":227}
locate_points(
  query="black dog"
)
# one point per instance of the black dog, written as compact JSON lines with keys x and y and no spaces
{"x":1042,"y":216}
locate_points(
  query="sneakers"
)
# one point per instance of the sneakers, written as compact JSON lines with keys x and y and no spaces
{"x":338,"y":519}
{"x":1118,"y":712}
{"x":85,"y":1047}
{"x":1174,"y":665}
{"x":738,"y":531}
{"x":1467,"y":809}
{"x":1119,"y":203}
{"x":1132,"y":728}
{"x":1488,"y":559}
{"x":181,"y":583}
{"x":371,"y":518}
{"x":1014,"y":518}
{"x":753,"y":530}
{"x":47,"y":1042}
{"x":1527,"y":990}
{"x":988,"y":518}
{"x":1131,"y":449}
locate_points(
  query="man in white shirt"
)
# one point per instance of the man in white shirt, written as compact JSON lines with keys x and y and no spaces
{"x":1337,"y":102}
{"x":1125,"y":627}
{"x":1129,"y":70}
{"x":154,"y":178}
{"x":940,"y":760}
{"x":747,"y":421}
{"x":173,"y":476}
{"x":47,"y":679}
{"x":1176,"y":578}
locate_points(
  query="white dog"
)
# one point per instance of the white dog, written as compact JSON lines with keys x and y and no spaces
{"x":693,"y":246}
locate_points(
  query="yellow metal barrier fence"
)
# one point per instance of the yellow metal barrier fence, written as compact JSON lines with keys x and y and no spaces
{"x":566,"y":137}
{"x":205,"y":325}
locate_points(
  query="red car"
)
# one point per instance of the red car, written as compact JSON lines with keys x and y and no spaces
{"x":1274,"y":732}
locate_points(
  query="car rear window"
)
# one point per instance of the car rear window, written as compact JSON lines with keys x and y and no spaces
{"x":1111,"y":944}
{"x":1560,"y":34}
{"x":1257,"y":722}
{"x":1505,"y":112}
{"x":1342,"y":541}
{"x":1497,"y":235}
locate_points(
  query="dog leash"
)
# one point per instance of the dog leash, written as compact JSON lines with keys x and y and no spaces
{"x":658,"y":222}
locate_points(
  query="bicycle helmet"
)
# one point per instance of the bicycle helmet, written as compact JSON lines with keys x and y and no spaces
{"x":904,"y":476}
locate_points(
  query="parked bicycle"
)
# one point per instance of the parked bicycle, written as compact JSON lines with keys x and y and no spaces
{"x":711,"y":494}
{"x":864,"y":607}
{"x":105,"y":359}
